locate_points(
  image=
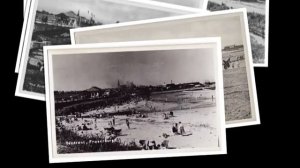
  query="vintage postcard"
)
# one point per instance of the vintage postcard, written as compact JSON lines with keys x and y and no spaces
{"x":201,"y":4}
{"x":49,"y":24}
{"x":239,"y":81}
{"x":135,"y":100}
{"x":258,"y":18}
{"x":126,"y":7}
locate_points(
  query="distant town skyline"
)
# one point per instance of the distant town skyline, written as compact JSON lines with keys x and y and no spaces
{"x":83,"y":71}
{"x":127,"y":84}
{"x":104,"y":11}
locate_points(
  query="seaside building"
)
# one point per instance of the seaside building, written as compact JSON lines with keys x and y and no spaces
{"x":67,"y":19}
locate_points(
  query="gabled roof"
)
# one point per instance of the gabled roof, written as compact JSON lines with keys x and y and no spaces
{"x":71,"y":14}
{"x":93,"y":89}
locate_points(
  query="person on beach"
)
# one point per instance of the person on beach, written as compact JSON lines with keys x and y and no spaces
{"x":165,"y":116}
{"x":157,"y":147}
{"x":171,"y":114}
{"x":85,"y":128}
{"x":114,"y":121}
{"x":79,"y":128}
{"x":152,"y":145}
{"x":181,"y":129}
{"x":110,"y":124}
{"x":128,"y":123}
{"x":175,"y":129}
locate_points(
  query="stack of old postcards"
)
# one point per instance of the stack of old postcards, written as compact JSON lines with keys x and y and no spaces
{"x":128,"y":79}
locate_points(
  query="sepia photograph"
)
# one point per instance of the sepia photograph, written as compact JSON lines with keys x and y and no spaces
{"x":135,"y":100}
{"x":239,"y":82}
{"x":49,"y":24}
{"x":258,"y":18}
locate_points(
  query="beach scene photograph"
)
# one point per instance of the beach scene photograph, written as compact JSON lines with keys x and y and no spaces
{"x":256,"y":11}
{"x":53,"y":22}
{"x":133,"y":101}
{"x":237,"y":81}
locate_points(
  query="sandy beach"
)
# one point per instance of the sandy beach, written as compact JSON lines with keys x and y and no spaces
{"x":251,"y":7}
{"x":199,"y":120}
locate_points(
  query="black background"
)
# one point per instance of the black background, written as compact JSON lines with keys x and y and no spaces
{"x":24,"y":126}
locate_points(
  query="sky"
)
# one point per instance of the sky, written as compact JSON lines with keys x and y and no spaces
{"x":103,"y":70}
{"x":105,"y":12}
{"x":227,"y":27}
{"x":190,"y":3}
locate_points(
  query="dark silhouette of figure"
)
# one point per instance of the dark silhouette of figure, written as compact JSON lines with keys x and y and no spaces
{"x":128,"y":123}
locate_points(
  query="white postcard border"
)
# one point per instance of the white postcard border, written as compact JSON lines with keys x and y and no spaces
{"x":255,"y":120}
{"x":133,"y":155}
{"x":21,"y":65}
